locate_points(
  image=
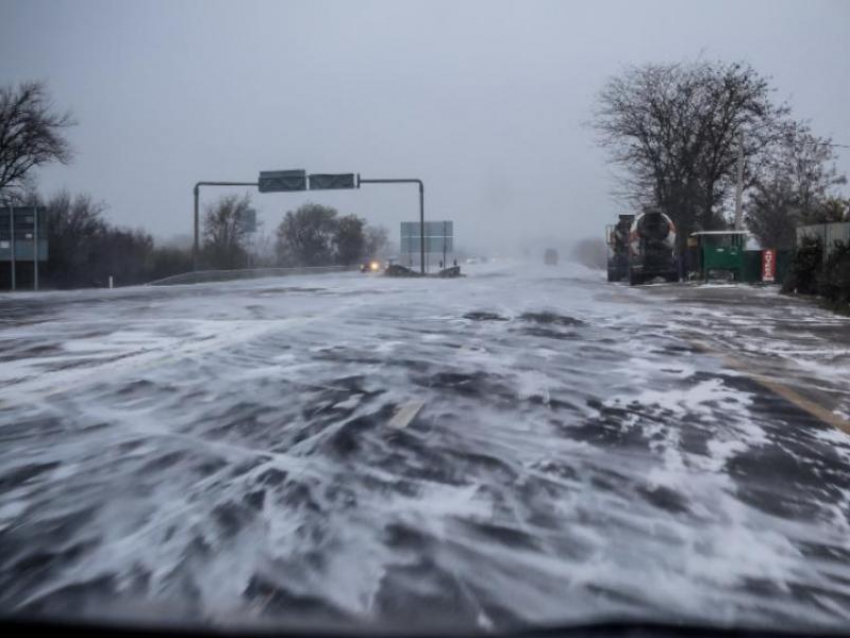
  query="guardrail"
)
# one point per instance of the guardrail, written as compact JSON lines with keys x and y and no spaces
{"x":209,"y":276}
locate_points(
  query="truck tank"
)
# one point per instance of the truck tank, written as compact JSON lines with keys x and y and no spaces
{"x":652,"y":248}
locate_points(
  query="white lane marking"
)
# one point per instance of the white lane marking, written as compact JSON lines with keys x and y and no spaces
{"x":406,"y":414}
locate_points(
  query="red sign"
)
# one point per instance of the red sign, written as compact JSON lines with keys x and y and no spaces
{"x":768,"y":265}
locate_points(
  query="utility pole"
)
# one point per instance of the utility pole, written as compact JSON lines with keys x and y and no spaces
{"x":739,"y":186}
{"x":12,"y":244}
{"x":35,"y":247}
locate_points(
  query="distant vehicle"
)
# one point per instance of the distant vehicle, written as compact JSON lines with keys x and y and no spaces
{"x":373,"y":265}
{"x":550,"y":257}
{"x":618,"y":248}
{"x":652,"y":248}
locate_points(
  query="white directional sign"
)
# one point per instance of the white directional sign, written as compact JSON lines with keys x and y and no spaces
{"x":432,"y":229}
{"x":247,"y":220}
{"x":439,"y":239}
{"x":20,"y":221}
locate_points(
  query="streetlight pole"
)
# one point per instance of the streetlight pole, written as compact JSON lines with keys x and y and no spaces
{"x":739,"y":186}
{"x":196,"y":247}
{"x":421,"y":209}
{"x":35,"y":247}
{"x":12,"y":247}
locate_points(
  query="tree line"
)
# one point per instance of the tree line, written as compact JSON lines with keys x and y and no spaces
{"x":311,"y":235}
{"x":85,"y":249}
{"x":675,"y":132}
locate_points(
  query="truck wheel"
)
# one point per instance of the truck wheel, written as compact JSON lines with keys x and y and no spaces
{"x":634,"y":278}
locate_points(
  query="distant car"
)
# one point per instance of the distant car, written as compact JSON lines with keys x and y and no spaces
{"x":373,"y":265}
{"x":550,"y":257}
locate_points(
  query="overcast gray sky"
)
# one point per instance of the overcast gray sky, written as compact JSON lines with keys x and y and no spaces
{"x":485,"y":101}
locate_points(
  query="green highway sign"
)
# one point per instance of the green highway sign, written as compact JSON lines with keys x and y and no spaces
{"x":327,"y":181}
{"x":282,"y":181}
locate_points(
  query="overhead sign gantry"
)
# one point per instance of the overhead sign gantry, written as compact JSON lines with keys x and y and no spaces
{"x":297,"y":180}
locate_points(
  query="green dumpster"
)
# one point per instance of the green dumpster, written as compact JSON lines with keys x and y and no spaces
{"x":722,"y":254}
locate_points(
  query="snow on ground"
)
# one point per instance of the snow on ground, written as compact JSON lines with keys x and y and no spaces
{"x":790,"y":340}
{"x":222,"y":453}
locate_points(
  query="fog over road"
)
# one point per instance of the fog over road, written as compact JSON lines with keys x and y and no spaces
{"x":226,"y":452}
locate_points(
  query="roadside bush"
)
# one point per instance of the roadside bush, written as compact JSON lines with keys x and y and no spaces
{"x":834,"y":281}
{"x":805,"y":269}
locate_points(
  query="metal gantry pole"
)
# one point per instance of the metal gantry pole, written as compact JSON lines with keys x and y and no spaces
{"x":196,"y":248}
{"x":421,"y":209}
{"x":445,"y":231}
{"x":196,"y":242}
{"x":422,"y":227}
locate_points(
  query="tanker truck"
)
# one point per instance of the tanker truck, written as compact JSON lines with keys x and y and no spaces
{"x":652,"y":248}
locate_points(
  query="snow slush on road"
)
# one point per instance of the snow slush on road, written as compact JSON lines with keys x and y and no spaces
{"x":231,"y":453}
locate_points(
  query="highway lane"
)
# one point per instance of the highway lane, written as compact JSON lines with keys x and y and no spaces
{"x":232,"y":452}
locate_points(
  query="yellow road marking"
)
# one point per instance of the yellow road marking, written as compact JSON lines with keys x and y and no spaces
{"x":786,"y":392}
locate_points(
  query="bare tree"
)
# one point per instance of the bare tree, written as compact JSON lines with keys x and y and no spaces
{"x":377,"y":241}
{"x":674,"y":130}
{"x":305,"y":237}
{"x":225,"y":235}
{"x":262,"y":249}
{"x":795,"y":186}
{"x":349,"y":240}
{"x":31,"y":133}
{"x":75,"y":228}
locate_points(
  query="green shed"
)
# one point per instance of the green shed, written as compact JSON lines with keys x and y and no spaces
{"x":722,"y":252}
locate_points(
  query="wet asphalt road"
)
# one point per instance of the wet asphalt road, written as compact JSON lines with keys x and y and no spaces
{"x":225,"y":453}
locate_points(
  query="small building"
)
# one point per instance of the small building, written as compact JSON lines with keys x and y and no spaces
{"x":720,"y":253}
{"x":737,"y":256}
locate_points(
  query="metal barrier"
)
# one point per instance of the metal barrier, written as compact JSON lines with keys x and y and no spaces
{"x":209,"y":276}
